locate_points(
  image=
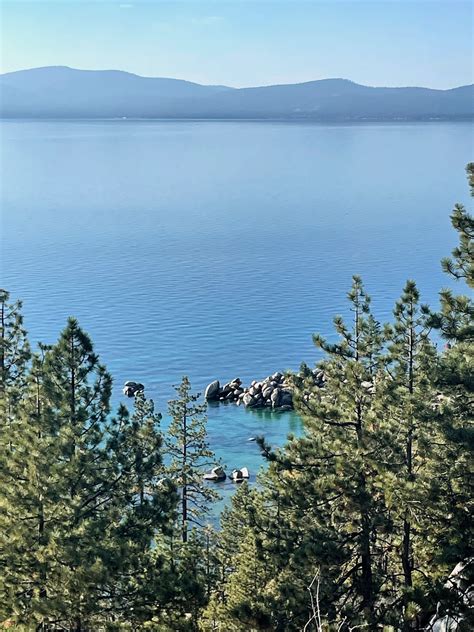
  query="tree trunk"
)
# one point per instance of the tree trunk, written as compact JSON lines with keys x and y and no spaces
{"x":2,"y":348}
{"x":367,"y":590}
{"x":185,"y":489}
{"x":406,"y":547}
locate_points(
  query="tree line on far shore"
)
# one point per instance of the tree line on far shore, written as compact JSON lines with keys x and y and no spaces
{"x":358,"y":522}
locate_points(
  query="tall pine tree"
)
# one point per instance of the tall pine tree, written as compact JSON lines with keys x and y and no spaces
{"x":452,"y":483}
{"x":190,"y":456}
{"x":323,"y":510}
{"x":411,"y":422}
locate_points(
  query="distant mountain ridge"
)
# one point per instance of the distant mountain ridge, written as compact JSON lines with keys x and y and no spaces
{"x":62,"y":92}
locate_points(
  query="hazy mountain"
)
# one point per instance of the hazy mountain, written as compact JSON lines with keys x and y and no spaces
{"x":59,"y":91}
{"x":68,"y":93}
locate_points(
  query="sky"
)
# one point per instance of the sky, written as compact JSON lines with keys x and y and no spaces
{"x":247,"y":43}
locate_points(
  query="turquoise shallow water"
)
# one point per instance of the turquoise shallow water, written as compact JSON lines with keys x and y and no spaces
{"x":215,"y":249}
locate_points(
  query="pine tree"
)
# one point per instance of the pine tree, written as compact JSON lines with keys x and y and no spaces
{"x":344,"y":422}
{"x":136,"y":592}
{"x":456,"y":318}
{"x":17,"y":538}
{"x":240,"y":600}
{"x":452,"y":481}
{"x":77,"y":392}
{"x":408,"y":410}
{"x":190,"y":456}
{"x":187,"y":555}
{"x":83,"y":496}
{"x":461,"y":264}
{"x":246,"y":607}
{"x":470,"y":176}
{"x":323,"y":510}
{"x":14,"y":356}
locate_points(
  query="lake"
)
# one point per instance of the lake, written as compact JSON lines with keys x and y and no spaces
{"x":215,"y":249}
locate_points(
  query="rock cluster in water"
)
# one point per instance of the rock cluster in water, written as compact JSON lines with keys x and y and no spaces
{"x":130,"y":389}
{"x":275,"y":392}
{"x":217,"y":475}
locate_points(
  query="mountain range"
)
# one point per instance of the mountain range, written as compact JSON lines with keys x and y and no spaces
{"x":62,"y":92}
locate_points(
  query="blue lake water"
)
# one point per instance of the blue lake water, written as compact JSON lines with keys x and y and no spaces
{"x":215,"y":249}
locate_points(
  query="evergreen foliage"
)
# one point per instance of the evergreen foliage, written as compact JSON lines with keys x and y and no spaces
{"x":411,"y":420}
{"x":81,"y":503}
{"x":190,"y":456}
{"x":14,"y":356}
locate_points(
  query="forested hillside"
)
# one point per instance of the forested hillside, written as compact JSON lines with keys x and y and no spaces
{"x":359,"y":522}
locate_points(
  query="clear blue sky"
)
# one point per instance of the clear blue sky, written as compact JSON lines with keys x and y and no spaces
{"x":392,"y":42}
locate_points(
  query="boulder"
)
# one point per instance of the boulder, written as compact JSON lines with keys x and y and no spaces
{"x":275,"y":397}
{"x":267,"y":391}
{"x":227,"y":388}
{"x":216,"y":474}
{"x":212,"y":390}
{"x":239,"y":475}
{"x":286,"y":398}
{"x":130,"y":389}
{"x":248,"y":400}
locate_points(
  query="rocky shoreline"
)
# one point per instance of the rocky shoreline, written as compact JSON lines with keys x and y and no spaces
{"x":274,"y":392}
